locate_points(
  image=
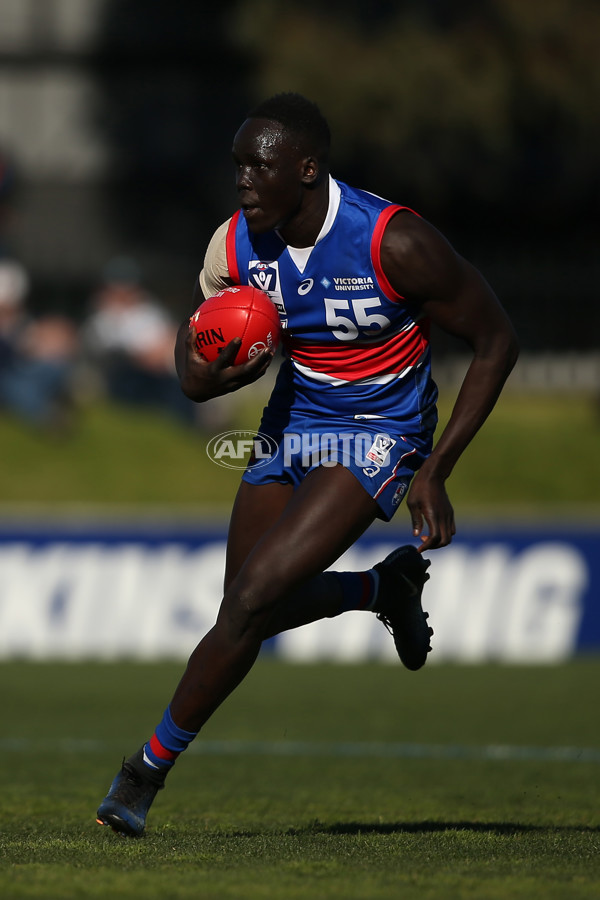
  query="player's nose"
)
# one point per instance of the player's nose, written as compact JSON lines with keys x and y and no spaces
{"x":243,"y":181}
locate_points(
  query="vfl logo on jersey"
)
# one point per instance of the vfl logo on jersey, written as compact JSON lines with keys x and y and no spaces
{"x":265,"y":276}
{"x":380,"y":448}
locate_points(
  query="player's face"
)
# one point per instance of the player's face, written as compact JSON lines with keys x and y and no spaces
{"x":269,"y":174}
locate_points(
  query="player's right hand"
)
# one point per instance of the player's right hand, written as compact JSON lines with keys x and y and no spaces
{"x":201,"y":380}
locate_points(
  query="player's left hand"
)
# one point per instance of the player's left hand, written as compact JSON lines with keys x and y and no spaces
{"x":431,"y":511}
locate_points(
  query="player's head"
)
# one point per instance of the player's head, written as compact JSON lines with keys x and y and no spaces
{"x":303,"y":121}
{"x":281,"y":155}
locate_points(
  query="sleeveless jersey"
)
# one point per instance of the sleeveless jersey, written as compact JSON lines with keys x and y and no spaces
{"x":355,"y":347}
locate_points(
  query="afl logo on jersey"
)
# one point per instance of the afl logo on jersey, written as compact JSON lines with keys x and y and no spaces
{"x":305,"y":286}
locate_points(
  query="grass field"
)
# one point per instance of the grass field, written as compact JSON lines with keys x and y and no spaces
{"x":310,"y":782}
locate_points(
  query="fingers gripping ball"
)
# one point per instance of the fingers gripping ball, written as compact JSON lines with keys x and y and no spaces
{"x":241,"y":311}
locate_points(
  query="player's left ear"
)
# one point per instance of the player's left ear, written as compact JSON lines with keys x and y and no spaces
{"x":310,"y":170}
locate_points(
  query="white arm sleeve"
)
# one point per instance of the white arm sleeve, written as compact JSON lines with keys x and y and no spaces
{"x":215,"y":273}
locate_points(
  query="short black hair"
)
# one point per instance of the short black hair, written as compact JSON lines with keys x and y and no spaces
{"x":300,"y":117}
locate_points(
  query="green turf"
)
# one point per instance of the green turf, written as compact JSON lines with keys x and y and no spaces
{"x":308,"y":806}
{"x":522,"y":461}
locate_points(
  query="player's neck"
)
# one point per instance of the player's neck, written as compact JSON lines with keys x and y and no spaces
{"x":303,"y":228}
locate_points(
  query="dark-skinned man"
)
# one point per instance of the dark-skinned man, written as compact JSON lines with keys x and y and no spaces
{"x":356,"y":280}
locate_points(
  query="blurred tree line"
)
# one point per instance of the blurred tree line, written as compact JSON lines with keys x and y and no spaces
{"x":485,"y":107}
{"x":480,"y":114}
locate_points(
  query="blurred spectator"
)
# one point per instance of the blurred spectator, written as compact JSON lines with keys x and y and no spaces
{"x":7,"y":191}
{"x":37,"y":355}
{"x":131,"y":338}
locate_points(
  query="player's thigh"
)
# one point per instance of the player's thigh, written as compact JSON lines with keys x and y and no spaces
{"x":255,"y":510}
{"x":326,"y":514}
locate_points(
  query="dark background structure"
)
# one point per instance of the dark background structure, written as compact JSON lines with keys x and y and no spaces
{"x":483,"y":116}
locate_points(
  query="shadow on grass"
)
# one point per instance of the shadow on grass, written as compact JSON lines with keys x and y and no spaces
{"x":430,"y":827}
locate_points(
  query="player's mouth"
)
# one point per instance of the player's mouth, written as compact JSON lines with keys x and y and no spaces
{"x":256,"y":216}
{"x":249,"y":210}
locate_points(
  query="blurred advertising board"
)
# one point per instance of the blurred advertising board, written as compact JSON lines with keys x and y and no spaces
{"x":94,"y":591}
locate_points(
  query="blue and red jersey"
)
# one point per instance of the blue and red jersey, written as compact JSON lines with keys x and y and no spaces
{"x":356,"y":348}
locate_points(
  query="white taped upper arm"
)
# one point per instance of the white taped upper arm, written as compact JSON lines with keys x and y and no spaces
{"x":215,"y":272}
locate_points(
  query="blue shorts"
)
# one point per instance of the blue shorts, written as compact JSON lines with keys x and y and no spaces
{"x":380,"y":458}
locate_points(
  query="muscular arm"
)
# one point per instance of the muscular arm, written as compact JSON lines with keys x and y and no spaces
{"x":424,"y":268}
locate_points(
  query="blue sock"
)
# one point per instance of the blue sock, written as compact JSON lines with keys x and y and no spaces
{"x":167,"y":742}
{"x":359,"y":589}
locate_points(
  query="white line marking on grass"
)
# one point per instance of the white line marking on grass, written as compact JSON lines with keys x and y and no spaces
{"x":346,"y":749}
{"x":397,"y":751}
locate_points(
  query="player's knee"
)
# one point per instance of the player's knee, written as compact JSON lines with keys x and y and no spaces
{"x":247,"y":607}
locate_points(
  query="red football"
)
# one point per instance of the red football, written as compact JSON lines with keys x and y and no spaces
{"x":241,"y":311}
